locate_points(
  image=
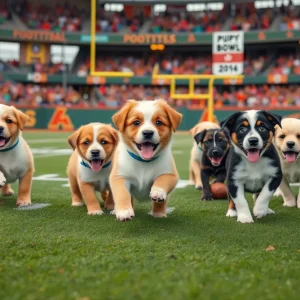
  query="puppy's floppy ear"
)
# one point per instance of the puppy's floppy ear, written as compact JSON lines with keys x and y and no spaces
{"x":21,"y":118}
{"x":174,"y":116}
{"x":200,"y":136}
{"x":229,"y":122}
{"x":72,"y":139}
{"x":273,"y":118}
{"x":119,"y":118}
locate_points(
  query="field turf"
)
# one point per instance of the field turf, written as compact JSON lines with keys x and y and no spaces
{"x":59,"y":252}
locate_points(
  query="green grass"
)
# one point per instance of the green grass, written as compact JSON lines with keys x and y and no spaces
{"x":59,"y":252}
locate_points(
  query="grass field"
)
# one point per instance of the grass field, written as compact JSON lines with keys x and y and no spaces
{"x":59,"y":252}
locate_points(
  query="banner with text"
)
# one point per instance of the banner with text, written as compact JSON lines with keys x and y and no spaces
{"x":228,"y":53}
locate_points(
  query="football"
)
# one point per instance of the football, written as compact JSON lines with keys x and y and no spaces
{"x":218,"y":190}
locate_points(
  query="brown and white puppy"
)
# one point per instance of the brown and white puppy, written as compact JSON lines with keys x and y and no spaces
{"x":287,"y":143}
{"x":16,"y":161}
{"x":143,"y":165}
{"x":196,"y":153}
{"x":90,"y":165}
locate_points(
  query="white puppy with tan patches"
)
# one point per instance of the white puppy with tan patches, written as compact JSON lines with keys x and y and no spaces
{"x":90,"y":165}
{"x":143,"y":165}
{"x":16,"y":161}
{"x":287,"y":143}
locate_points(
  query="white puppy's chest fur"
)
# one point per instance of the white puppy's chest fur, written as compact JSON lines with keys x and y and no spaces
{"x":140,"y":176}
{"x":254,"y":175}
{"x":99,"y":179}
{"x":15,"y":163}
{"x":197,"y":153}
{"x":291,"y":171}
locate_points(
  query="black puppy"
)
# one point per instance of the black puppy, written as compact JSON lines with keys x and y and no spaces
{"x":253,"y":164}
{"x":215,"y":145}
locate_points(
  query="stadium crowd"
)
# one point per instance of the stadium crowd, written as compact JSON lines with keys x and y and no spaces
{"x":61,"y":17}
{"x":67,"y":17}
{"x":113,"y":96}
{"x":187,"y":63}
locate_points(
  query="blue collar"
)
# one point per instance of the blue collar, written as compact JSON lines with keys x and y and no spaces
{"x":10,"y":148}
{"x":136,"y":157}
{"x":87,"y":166}
{"x":200,"y":148}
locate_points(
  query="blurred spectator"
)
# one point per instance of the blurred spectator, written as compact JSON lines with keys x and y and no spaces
{"x":4,"y":15}
{"x":290,"y":18}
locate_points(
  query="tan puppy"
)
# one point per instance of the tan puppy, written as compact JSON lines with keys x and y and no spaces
{"x":90,"y":165}
{"x":196,"y":153}
{"x":287,"y":143}
{"x":143,"y":165}
{"x":16,"y":161}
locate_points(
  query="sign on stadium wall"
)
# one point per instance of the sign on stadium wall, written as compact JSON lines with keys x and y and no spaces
{"x":228,"y":53}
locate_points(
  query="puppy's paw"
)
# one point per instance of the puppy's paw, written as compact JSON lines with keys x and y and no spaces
{"x":245,"y":218}
{"x":198,"y":187}
{"x":260,"y":212}
{"x":277,"y":193}
{"x":21,"y":203}
{"x":158,"y":214}
{"x":95,"y":213}
{"x":157,"y":194}
{"x":112,"y":212}
{"x":77,"y":203}
{"x":231,"y":213}
{"x":8,"y":192}
{"x":289,"y":202}
{"x":207,"y":197}
{"x":124,"y":214}
{"x":298,"y":203}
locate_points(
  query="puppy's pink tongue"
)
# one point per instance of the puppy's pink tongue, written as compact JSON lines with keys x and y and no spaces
{"x":253,"y":156}
{"x":147,"y":151}
{"x":290,"y":157}
{"x":96,"y":165}
{"x":2,"y":142}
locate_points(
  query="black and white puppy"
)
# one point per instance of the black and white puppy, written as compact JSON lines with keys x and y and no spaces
{"x":214,"y":144}
{"x":253,"y":164}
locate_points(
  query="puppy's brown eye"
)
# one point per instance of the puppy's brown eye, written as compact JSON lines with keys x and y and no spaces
{"x":282,"y":136}
{"x":298,"y":136}
{"x":159,"y":123}
{"x":86,"y":142}
{"x":136,"y":123}
{"x":8,"y":121}
{"x":103,"y":142}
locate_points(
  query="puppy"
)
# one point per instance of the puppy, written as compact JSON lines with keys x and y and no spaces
{"x":253,"y":164}
{"x":287,"y":143}
{"x":214,"y":144}
{"x":16,"y":161}
{"x":90,"y":165}
{"x":143,"y":163}
{"x":196,"y":153}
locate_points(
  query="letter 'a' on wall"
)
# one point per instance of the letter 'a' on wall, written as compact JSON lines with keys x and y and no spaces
{"x":228,"y":53}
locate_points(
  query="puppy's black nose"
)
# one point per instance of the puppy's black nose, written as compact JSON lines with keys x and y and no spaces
{"x":148,"y":134}
{"x":253,"y":141}
{"x":290,"y":144}
{"x":215,"y":152}
{"x":1,"y":129}
{"x":95,"y":152}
